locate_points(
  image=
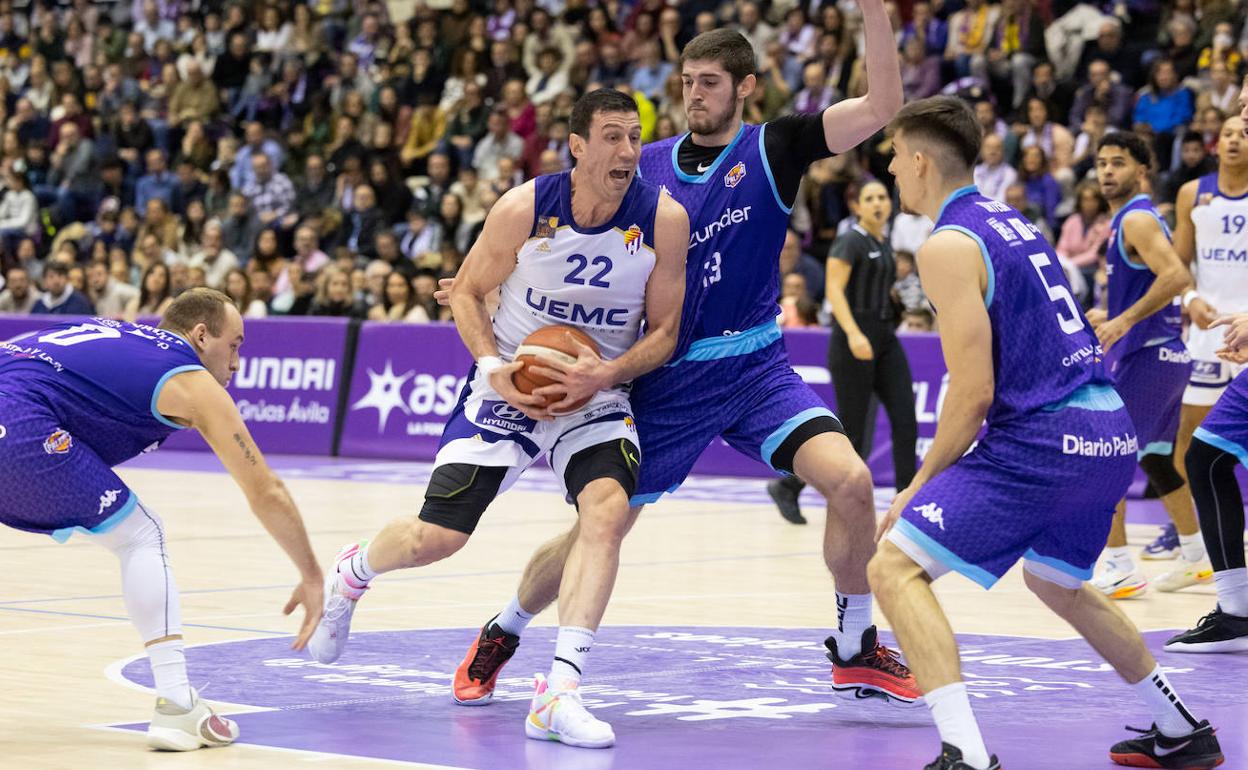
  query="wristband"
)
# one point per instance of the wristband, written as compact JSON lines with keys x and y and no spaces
{"x":487,"y":364}
{"x":1188,"y":297}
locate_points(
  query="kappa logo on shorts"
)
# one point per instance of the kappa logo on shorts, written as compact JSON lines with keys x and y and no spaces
{"x":107,"y":499}
{"x":58,"y":443}
{"x":933,"y":513}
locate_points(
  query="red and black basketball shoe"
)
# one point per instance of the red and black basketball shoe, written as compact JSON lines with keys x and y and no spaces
{"x":876,"y":672}
{"x":1198,"y":750}
{"x":477,"y":674}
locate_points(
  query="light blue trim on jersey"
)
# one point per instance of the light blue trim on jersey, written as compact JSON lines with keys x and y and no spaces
{"x":1094,"y":398}
{"x":682,"y":176}
{"x":1122,"y":248}
{"x":944,"y":555}
{"x":1155,"y":448}
{"x":961,"y":192}
{"x":653,"y":497}
{"x":1226,"y":445}
{"x":1059,"y":565}
{"x":786,"y":428}
{"x":729,"y":346}
{"x":132,"y":502}
{"x":771,"y":179}
{"x":161,"y":384}
{"x":983,"y":250}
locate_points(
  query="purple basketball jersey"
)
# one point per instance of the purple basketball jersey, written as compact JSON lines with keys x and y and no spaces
{"x":1042,"y":348}
{"x":100,"y":379}
{"x":1128,"y":281}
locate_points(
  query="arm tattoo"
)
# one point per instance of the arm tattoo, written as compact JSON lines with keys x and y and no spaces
{"x":247,"y":453}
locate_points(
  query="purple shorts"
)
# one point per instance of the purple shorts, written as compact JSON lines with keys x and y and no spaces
{"x":1151,"y":381}
{"x":1226,"y":427}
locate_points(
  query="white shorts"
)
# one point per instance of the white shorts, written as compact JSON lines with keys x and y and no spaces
{"x":1210,"y":374}
{"x":487,"y":431}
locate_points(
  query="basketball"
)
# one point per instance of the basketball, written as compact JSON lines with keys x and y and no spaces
{"x":558,"y":342}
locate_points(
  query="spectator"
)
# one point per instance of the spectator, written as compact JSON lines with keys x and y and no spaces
{"x":109,"y":296}
{"x":797,"y":309}
{"x":308,"y":254}
{"x":970,"y":33}
{"x":1084,"y":234}
{"x":157,"y":221}
{"x":195,"y":98}
{"x":1042,"y":189}
{"x":750,"y":23}
{"x":1017,"y":44}
{"x":242,"y":173}
{"x":650,"y":74}
{"x":19,"y":212}
{"x":793,"y":259}
{"x":1048,"y":135}
{"x":213,"y":258}
{"x":468,"y":124}
{"x":426,"y":133}
{"x":499,"y":143}
{"x":334,"y":296}
{"x":157,"y":183}
{"x":993,"y":176}
{"x":1164,"y":106}
{"x":931,"y":32}
{"x":375,"y":281}
{"x":816,"y":95}
{"x":267,"y":256}
{"x":1016,"y":196}
{"x":188,"y":187}
{"x":1103,"y":91}
{"x":1182,"y":52}
{"x":551,"y":77}
{"x":1093,"y":130}
{"x":363,"y":223}
{"x":274,"y":34}
{"x":920,"y":71}
{"x":17,"y":298}
{"x":238,"y":289}
{"x":1221,"y":92}
{"x":315,"y":191}
{"x":239,"y":227}
{"x":59,"y":296}
{"x":1108,"y":47}
{"x":72,"y":174}
{"x":1221,"y":50}
{"x":399,"y":303}
{"x":270,"y":193}
{"x":1194,"y":162}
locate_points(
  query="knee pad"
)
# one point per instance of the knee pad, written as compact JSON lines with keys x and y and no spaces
{"x":459,"y":493}
{"x":1161,"y":473}
{"x":619,"y":459}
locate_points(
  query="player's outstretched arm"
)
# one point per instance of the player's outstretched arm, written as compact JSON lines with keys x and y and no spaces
{"x":850,"y":122}
{"x":1202,"y":312}
{"x":198,"y":400}
{"x":952,"y":271}
{"x":1142,"y":233}
{"x":489,"y":262}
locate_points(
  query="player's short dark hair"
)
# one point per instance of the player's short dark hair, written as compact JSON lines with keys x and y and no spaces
{"x":196,"y":306}
{"x":944,"y":120}
{"x":1135,"y":146}
{"x":726,"y":47}
{"x":594,"y":102}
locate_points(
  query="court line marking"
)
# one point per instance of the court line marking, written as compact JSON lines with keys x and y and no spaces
{"x":127,"y":620}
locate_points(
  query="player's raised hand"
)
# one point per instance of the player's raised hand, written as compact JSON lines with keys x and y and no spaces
{"x":443,"y":294}
{"x":311,"y":594}
{"x":575,"y":382}
{"x":1236,"y":334}
{"x":532,"y":405}
{"x":1202,"y":313}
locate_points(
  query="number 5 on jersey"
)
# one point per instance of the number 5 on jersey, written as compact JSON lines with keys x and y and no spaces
{"x":1059,"y":293}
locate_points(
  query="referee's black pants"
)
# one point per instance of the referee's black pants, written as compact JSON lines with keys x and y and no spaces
{"x":887,"y":376}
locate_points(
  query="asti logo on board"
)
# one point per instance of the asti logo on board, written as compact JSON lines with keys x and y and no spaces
{"x":415,"y":395}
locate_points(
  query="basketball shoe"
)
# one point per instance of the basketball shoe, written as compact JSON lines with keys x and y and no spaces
{"x":784,"y":492}
{"x":1216,"y":632}
{"x":1198,"y":750}
{"x":174,"y":728}
{"x":1165,"y":547}
{"x":951,"y":759}
{"x":557,"y":714}
{"x":1118,"y":583}
{"x":1184,"y":575}
{"x":330,"y":637}
{"x":478,"y":673}
{"x":876,"y":671}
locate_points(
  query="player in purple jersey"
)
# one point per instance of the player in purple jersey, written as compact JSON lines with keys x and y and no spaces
{"x":1220,"y":442}
{"x":730,"y":375}
{"x":1058,"y":450}
{"x":79,"y":398}
{"x":1141,"y":334}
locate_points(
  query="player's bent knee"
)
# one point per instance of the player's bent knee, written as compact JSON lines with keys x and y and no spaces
{"x":459,"y":493}
{"x":1161,"y":474}
{"x":847,"y":477}
{"x":434,"y":542}
{"x":617,"y":460}
{"x":890,"y":569}
{"x":1056,"y":589}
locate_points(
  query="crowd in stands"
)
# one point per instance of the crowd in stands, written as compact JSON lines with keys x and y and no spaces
{"x":331,"y":158}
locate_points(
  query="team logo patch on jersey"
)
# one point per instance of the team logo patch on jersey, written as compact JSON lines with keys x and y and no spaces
{"x":546,"y":227}
{"x":1204,"y":199}
{"x":632,"y":240}
{"x":735,"y":174}
{"x":58,"y":443}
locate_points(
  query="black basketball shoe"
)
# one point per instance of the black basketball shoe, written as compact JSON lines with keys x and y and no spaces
{"x":1216,"y":632}
{"x":784,"y":492}
{"x":1196,"y":751}
{"x":951,"y":759}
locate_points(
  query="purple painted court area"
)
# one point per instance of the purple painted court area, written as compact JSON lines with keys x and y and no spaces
{"x":683,"y":697}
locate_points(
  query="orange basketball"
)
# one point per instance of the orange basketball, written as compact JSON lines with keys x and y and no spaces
{"x":556,"y":342}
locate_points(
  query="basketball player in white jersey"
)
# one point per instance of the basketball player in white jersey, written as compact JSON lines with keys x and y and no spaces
{"x":1211,"y":237}
{"x":596,"y":248}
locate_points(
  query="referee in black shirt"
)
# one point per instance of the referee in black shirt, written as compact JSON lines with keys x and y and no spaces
{"x":865,"y":356}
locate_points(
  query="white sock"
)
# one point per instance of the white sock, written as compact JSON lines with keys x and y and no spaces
{"x":168,"y":663}
{"x":853,"y":616}
{"x":571,"y":653}
{"x":1232,"y":585}
{"x":1192,"y":547}
{"x":355,"y":571}
{"x":951,"y":708}
{"x":513,"y":619}
{"x":1120,"y":558}
{"x":1172,"y":717}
